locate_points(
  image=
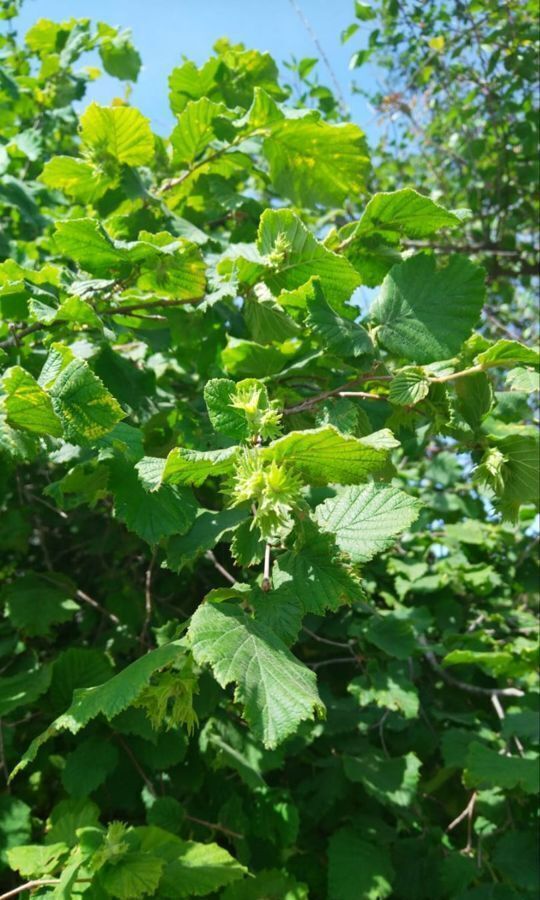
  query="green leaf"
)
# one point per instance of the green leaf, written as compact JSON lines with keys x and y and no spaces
{"x":106,"y":699}
{"x":27,"y":404}
{"x":86,"y":242}
{"x":88,"y":766}
{"x":199,"y":870}
{"x":366,"y":520}
{"x":523,"y":380}
{"x":241,"y":409}
{"x":296,"y":256}
{"x":404,"y":213}
{"x":267,"y":321}
{"x":208,"y":529}
{"x":169,"y":266}
{"x":270,"y":884}
{"x":79,"y":179}
{"x":227,"y":419}
{"x":280,"y":610}
{"x":35,"y":603}
{"x":247,"y":358}
{"x":339,"y":335}
{"x":493,"y":662}
{"x":518,"y":480}
{"x":86,"y":409}
{"x":323,"y":455}
{"x":487,"y":768}
{"x":67,"y":817}
{"x":195,"y":466}
{"x":277,"y":691}
{"x":15,"y":824}
{"x":195,"y":129}
{"x":475,"y":397}
{"x":314,"y":573}
{"x":247,"y":546}
{"x":357,"y":869}
{"x":31,"y":860}
{"x":77,"y":667}
{"x":133,"y":875}
{"x":508,"y":353}
{"x":23,"y":688}
{"x":120,"y":132}
{"x":152,"y":515}
{"x":118,"y":55}
{"x":315,"y":163}
{"x":411,"y":324}
{"x":388,"y":688}
{"x":391,"y":634}
{"x":393,"y":782}
{"x":409,"y":387}
{"x":516,"y":857}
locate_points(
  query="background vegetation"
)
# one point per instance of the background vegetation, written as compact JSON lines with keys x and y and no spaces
{"x":268,"y":537}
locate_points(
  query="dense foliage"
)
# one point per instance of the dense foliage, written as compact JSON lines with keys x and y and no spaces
{"x":267,"y":553}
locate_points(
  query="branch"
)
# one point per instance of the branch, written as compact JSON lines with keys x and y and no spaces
{"x":82,"y":595}
{"x":488,"y":249}
{"x":215,"y":826}
{"x":221,"y":569}
{"x":147,"y":599}
{"x":342,"y":390}
{"x":18,"y":333}
{"x":462,"y":685}
{"x":37,"y":882}
{"x":29,"y":886}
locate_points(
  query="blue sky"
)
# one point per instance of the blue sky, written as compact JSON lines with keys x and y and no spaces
{"x":164,"y":30}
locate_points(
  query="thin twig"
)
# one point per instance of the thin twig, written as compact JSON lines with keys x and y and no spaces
{"x":35,"y":883}
{"x":488,"y":249}
{"x":334,"y":661}
{"x":29,"y":886}
{"x":86,"y":598}
{"x":322,"y":640}
{"x":497,"y":706}
{"x":307,"y":25}
{"x":221,"y":569}
{"x":215,"y":826}
{"x":363,"y":395}
{"x":148,"y":604}
{"x":462,"y":685}
{"x":468,"y":814}
{"x":136,"y":765}
{"x":339,"y":391}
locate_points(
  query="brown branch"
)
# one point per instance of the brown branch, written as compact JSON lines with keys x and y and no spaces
{"x":136,"y":765}
{"x":148,"y":604}
{"x":342,"y":390}
{"x":221,"y":569}
{"x":488,"y":249}
{"x":215,"y":826}
{"x":86,"y":598}
{"x":35,"y":883}
{"x":19,"y":333}
{"x":462,"y":685}
{"x":467,"y":813}
{"x":29,"y":886}
{"x":334,"y":661}
{"x":149,"y":304}
{"x":322,"y":640}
